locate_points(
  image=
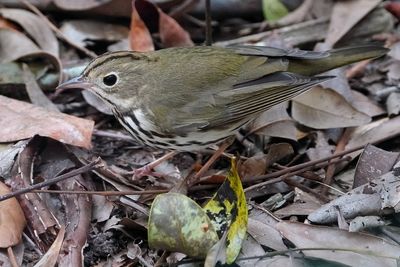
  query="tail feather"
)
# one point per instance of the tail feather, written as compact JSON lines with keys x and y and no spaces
{"x":336,"y":58}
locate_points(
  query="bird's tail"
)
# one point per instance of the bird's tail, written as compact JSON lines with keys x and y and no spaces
{"x":336,"y":58}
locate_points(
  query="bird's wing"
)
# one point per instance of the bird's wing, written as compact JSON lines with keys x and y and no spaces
{"x":231,"y":89}
{"x":266,"y":51}
{"x":244,"y":101}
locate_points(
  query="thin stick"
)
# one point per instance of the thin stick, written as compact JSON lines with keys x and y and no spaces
{"x":57,"y":179}
{"x":57,"y":31}
{"x":279,"y":177}
{"x":102,"y":193}
{"x":208,"y":24}
{"x":310,"y":163}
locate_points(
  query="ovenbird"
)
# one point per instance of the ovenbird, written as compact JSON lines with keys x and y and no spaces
{"x":189,"y":98}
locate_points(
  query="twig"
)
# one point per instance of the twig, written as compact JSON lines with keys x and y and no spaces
{"x":208,"y":24}
{"x":102,"y":193}
{"x":57,"y":31}
{"x":279,"y":177}
{"x":330,"y":171}
{"x":57,"y":179}
{"x":311,"y":163}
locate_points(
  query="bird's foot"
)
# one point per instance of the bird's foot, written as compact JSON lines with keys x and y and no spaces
{"x":147,"y":170}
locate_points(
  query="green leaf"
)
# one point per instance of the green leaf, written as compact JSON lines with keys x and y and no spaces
{"x":228,"y":212}
{"x":177,"y":223}
{"x":274,"y":10}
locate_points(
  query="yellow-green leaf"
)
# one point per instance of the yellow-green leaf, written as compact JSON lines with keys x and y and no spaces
{"x":177,"y":223}
{"x":228,"y":212}
{"x":274,"y":10}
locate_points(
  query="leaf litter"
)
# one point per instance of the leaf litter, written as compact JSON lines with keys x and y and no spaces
{"x":293,"y":179}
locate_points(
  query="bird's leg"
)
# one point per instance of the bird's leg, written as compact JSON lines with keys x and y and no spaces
{"x":147,"y":169}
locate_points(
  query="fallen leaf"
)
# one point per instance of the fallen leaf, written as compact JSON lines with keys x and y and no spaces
{"x":12,"y":220}
{"x":51,"y":256}
{"x":274,"y":10}
{"x":177,"y":223}
{"x":376,"y":197}
{"x":139,"y":36}
{"x":345,"y":15}
{"x":35,"y":26}
{"x":81,"y":31}
{"x":275,"y":122}
{"x":217,"y":253}
{"x":393,"y":103}
{"x":228,"y":211}
{"x":373,"y":162}
{"x":14,"y":45}
{"x":8,"y":154}
{"x":366,"y":105}
{"x":21,"y":120}
{"x":35,"y":93}
{"x":265,"y":234}
{"x":311,"y":236}
{"x":361,"y":223}
{"x":372,"y":132}
{"x":323,"y":108}
{"x":79,"y":4}
{"x":171,"y":33}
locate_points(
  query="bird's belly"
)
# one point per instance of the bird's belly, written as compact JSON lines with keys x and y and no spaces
{"x":148,"y":135}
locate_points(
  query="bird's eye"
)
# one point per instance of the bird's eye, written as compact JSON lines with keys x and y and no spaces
{"x":110,"y":79}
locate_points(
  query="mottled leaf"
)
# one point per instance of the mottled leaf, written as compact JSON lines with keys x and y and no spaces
{"x":177,"y":223}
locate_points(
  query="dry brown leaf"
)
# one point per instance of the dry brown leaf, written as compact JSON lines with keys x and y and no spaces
{"x":21,"y":120}
{"x":310,"y":236}
{"x":51,"y":256}
{"x":79,"y":4}
{"x":366,"y":105}
{"x":373,"y":162}
{"x":171,"y":33}
{"x":275,"y":122}
{"x":345,"y":15}
{"x":35,"y":26}
{"x":139,"y":35}
{"x":372,"y":132}
{"x":80,"y":31}
{"x":14,"y":45}
{"x":12,"y":220}
{"x":393,"y":103}
{"x":324,"y":108}
{"x":35,"y":93}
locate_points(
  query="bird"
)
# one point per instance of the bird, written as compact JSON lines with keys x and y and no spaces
{"x":189,"y":98}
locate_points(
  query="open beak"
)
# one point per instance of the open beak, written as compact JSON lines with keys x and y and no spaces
{"x":77,"y":82}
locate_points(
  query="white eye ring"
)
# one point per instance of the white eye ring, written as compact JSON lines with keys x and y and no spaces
{"x":110,"y":79}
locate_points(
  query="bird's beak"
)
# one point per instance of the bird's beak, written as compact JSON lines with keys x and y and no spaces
{"x":77,"y":82}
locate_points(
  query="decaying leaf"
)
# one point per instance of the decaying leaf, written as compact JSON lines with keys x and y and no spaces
{"x":51,"y":256}
{"x":345,"y":15}
{"x":35,"y":26}
{"x":177,"y":223}
{"x":370,"y":133}
{"x":274,"y":10}
{"x":228,"y":212}
{"x":14,"y":45}
{"x":21,"y":120}
{"x":373,"y":162}
{"x":12,"y":220}
{"x":139,"y":36}
{"x":171,"y":33}
{"x":83,"y":31}
{"x":323,"y":108}
{"x":275,"y":122}
{"x":310,"y":236}
{"x":378,"y":196}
